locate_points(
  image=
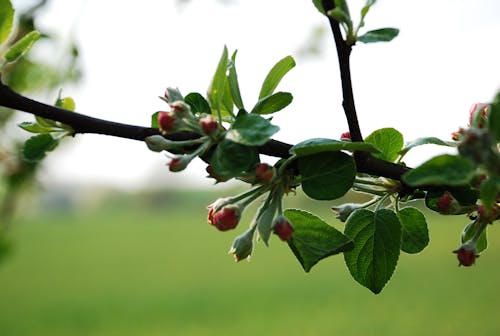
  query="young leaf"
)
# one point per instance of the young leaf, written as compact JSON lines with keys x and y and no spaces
{"x":66,"y":103}
{"x":154,"y":120}
{"x":327,"y":175}
{"x":470,"y":231}
{"x":426,"y":141}
{"x":265,"y":221}
{"x":341,"y":16}
{"x":231,"y":159}
{"x":389,"y":141}
{"x":273,"y":103}
{"x":174,"y":95}
{"x":34,"y":127}
{"x":251,"y":130}
{"x":22,"y":46}
{"x":377,"y":244}
{"x":313,"y":239}
{"x":379,"y":35}
{"x":275,"y":75}
{"x":318,"y":145}
{"x":6,"y":19}
{"x":415,"y":235}
{"x":441,"y":170}
{"x":198,"y":103}
{"x":233,"y":83}
{"x":218,"y":84}
{"x":494,"y":118}
{"x":365,"y":9}
{"x":36,"y":147}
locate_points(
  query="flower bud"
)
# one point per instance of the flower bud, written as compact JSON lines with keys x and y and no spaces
{"x":467,"y":254}
{"x":282,"y":228}
{"x":179,"y":163}
{"x":166,"y":122}
{"x":346,"y":136}
{"x":478,"y":115}
{"x":457,"y":135}
{"x":487,"y":216}
{"x":448,"y":205}
{"x":226,"y":218}
{"x":181,"y":110}
{"x":345,"y":210}
{"x":242,"y":246}
{"x":264,"y":173}
{"x":156,"y":143}
{"x":209,"y":125}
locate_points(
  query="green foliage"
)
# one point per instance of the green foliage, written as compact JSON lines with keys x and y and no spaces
{"x":415,"y":236}
{"x":273,"y":103}
{"x":233,"y":82}
{"x":465,"y":195}
{"x":231,"y":159}
{"x":6,"y":19}
{"x":326,"y":175}
{"x":471,"y":230}
{"x":275,"y":75}
{"x":319,"y":145}
{"x":389,"y":141}
{"x":251,"y":130}
{"x":490,"y":190}
{"x":379,"y":35}
{"x":444,"y":169}
{"x":217,"y":88}
{"x":36,"y":147}
{"x":426,"y":141}
{"x":494,"y":118}
{"x":21,"y":47}
{"x":313,"y":239}
{"x":197,"y":103}
{"x":377,"y":243}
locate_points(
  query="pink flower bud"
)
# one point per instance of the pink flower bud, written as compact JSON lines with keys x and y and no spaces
{"x":209,"y":125}
{"x":166,"y":122}
{"x":283,"y":228}
{"x":346,"y":136}
{"x":181,"y":109}
{"x":467,"y":254}
{"x":264,"y":173}
{"x":487,"y":216}
{"x":179,"y":163}
{"x":226,"y":218}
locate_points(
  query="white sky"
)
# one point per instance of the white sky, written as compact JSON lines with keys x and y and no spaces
{"x":422,"y":83}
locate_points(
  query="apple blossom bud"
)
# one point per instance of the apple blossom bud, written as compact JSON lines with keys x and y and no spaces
{"x":467,"y":254}
{"x":179,"y":163}
{"x":264,"y":173}
{"x":346,"y":136}
{"x":166,"y":122}
{"x":282,"y":228}
{"x":226,"y":218}
{"x":156,"y":143}
{"x":478,"y":115}
{"x":487,"y":216}
{"x":242,"y":246}
{"x":181,"y":109}
{"x":457,"y":135}
{"x":345,"y":210}
{"x":209,"y":125}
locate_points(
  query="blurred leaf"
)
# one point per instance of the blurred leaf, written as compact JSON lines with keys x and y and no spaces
{"x":34,"y":127}
{"x":441,"y":170}
{"x":21,"y":47}
{"x":319,"y":6}
{"x":340,"y":16}
{"x":319,"y":145}
{"x":66,"y":103}
{"x":6,"y":19}
{"x":425,"y":141}
{"x":389,"y":141}
{"x":469,"y":232}
{"x":365,"y":10}
{"x":275,"y":76}
{"x":198,"y":103}
{"x":273,"y":103}
{"x":377,"y":245}
{"x":415,"y":235}
{"x":36,"y":147}
{"x":326,"y":175}
{"x":233,"y":83}
{"x":251,"y":130}
{"x":494,"y":118}
{"x":379,"y":35}
{"x":489,"y":191}
{"x":313,"y":239}
{"x":154,"y":120}
{"x":231,"y":159}
{"x":465,"y":195}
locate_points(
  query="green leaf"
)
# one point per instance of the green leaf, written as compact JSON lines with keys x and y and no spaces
{"x":415,"y":235}
{"x":389,"y":141}
{"x":366,"y":8}
{"x":339,"y":15}
{"x":154,"y":120}
{"x":489,"y":191}
{"x":327,"y":175}
{"x":6,"y":19}
{"x":465,"y":195}
{"x":313,"y":239}
{"x":227,"y":101}
{"x":46,"y":123}
{"x":273,"y":103}
{"x":469,"y":232}
{"x":494,"y":118}
{"x":34,"y":127}
{"x":21,"y":47}
{"x":379,"y":35}
{"x":265,"y":220}
{"x":342,"y":4}
{"x":66,"y":103}
{"x":231,"y":159}
{"x":377,"y":243}
{"x":444,"y":169}
{"x":218,"y":84}
{"x":174,"y":95}
{"x":36,"y":147}
{"x":251,"y":130}
{"x":426,"y":141}
{"x":319,"y":145}
{"x":319,"y":6}
{"x":197,"y":103}
{"x":233,"y":83}
{"x":274,"y":76}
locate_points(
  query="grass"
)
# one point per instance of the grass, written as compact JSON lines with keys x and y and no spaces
{"x":134,"y":270}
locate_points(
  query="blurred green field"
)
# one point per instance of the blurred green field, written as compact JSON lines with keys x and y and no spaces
{"x":156,"y":268}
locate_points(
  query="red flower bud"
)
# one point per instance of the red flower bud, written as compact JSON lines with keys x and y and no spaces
{"x":179,"y":163}
{"x":264,"y":173}
{"x":444,"y":203}
{"x":166,"y":122}
{"x":226,"y":218}
{"x":487,"y":216}
{"x":346,"y":136}
{"x":467,"y":254}
{"x":209,"y":125}
{"x":283,"y":228}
